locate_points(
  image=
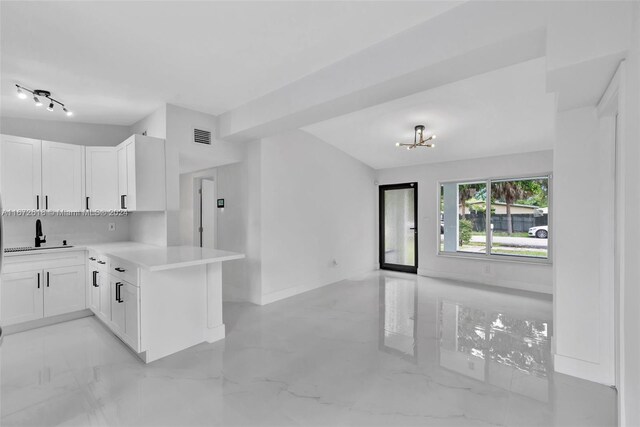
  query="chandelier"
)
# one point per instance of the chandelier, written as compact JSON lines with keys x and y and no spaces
{"x":419,"y":140}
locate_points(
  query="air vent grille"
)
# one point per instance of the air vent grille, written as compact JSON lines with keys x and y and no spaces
{"x":201,"y":136}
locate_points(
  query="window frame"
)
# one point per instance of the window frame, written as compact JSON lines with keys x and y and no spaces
{"x":488,"y":255}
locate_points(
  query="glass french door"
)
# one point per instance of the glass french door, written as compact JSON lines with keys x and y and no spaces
{"x":398,"y":227}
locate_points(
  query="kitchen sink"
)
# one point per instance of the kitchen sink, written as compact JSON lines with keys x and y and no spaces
{"x":32,"y":248}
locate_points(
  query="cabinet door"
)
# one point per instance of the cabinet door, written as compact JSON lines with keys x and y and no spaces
{"x":94,"y":291}
{"x":101,"y":165}
{"x":122,"y":176}
{"x":117,"y":306}
{"x":131,"y":177}
{"x":130,"y":296}
{"x":62,"y":176}
{"x":20,"y":172}
{"x":104,"y":287}
{"x":22,"y":297}
{"x":64,"y":290}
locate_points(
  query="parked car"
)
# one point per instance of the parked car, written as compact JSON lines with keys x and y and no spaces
{"x":541,"y":232}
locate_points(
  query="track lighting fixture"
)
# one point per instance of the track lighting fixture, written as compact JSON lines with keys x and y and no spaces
{"x":43,"y":93}
{"x":418,"y":139}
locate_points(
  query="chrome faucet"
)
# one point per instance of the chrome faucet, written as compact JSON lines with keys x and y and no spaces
{"x":39,"y":234}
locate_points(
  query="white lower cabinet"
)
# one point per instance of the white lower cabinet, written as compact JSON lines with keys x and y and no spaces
{"x":36,"y":293}
{"x":104,"y":311}
{"x":64,"y":290}
{"x":22,"y":297}
{"x":94,"y":290}
{"x":125,"y":319}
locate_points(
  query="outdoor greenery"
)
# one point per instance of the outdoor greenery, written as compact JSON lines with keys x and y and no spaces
{"x":510,"y":192}
{"x":465,"y":231}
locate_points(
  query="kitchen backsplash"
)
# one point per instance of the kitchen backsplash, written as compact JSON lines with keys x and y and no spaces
{"x":76,"y":230}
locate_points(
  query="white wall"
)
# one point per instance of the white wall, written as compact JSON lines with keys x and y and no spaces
{"x":155,"y":124}
{"x":583,"y":296}
{"x":65,"y":131}
{"x":316,"y":206}
{"x":631,"y":175}
{"x":532,"y":277}
{"x":184,"y":156}
{"x":232,"y":229}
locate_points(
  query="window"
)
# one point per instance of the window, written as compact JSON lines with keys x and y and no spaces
{"x":497,"y":218}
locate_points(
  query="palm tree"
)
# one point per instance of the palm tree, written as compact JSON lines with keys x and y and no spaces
{"x":465,"y":192}
{"x":510,"y":191}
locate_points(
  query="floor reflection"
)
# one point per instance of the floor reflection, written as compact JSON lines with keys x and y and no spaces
{"x":399,"y":317}
{"x":504,"y":348}
{"x":492,"y":347}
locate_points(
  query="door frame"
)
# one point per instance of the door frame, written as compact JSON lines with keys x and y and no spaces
{"x":397,"y":267}
{"x":612,"y":114}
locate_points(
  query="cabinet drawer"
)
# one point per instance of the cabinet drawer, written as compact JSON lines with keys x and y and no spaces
{"x":124,"y":271}
{"x":18,"y":263}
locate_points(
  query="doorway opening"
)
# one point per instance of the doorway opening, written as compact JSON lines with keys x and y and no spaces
{"x":207,"y":228}
{"x":399,"y":227}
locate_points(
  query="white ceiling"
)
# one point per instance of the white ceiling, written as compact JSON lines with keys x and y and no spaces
{"x":503,"y":112}
{"x":115,"y":62}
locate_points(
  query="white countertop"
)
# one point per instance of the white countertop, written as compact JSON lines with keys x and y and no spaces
{"x":155,"y":258}
{"x":150,"y":257}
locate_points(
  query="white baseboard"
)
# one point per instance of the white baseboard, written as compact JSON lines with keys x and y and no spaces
{"x":489,"y":281}
{"x":296,"y":290}
{"x":215,"y":334}
{"x":582,"y":369}
{"x":33,"y":324}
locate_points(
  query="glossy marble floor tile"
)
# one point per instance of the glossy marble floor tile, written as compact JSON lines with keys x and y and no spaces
{"x":386,"y":349}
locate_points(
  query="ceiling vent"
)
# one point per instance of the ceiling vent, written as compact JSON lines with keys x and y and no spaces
{"x":201,"y":136}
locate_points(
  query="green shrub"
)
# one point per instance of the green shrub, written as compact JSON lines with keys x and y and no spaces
{"x":464,"y":232}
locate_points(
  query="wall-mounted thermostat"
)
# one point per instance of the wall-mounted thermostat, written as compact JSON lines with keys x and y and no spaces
{"x":221,"y":203}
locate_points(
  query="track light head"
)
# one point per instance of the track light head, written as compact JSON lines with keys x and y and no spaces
{"x":37,"y":101}
{"x":21,"y":93}
{"x":50,"y":107}
{"x":67,"y":112}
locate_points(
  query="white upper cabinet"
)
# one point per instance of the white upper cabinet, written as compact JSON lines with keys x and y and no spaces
{"x":141,"y":174}
{"x":122,"y":176}
{"x":62,"y":171}
{"x":20,"y":172}
{"x":49,"y":175}
{"x":101,"y":173}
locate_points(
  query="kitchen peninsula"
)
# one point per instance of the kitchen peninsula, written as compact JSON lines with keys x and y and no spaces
{"x":157,"y":300}
{"x":162,"y":299}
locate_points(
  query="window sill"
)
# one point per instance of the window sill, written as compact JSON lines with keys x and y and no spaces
{"x":509,"y":259}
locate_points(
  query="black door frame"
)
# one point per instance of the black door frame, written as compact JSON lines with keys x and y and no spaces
{"x":397,"y":267}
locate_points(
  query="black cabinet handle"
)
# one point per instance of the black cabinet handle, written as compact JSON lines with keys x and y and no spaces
{"x":37,"y":202}
{"x":118,"y":292}
{"x":101,"y":262}
{"x":46,"y":202}
{"x":121,"y":270}
{"x":38,"y":280}
{"x":47,"y":279}
{"x":92,"y":259}
{"x":123,"y":201}
{"x":95,"y":279}
{"x":87,"y":202}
